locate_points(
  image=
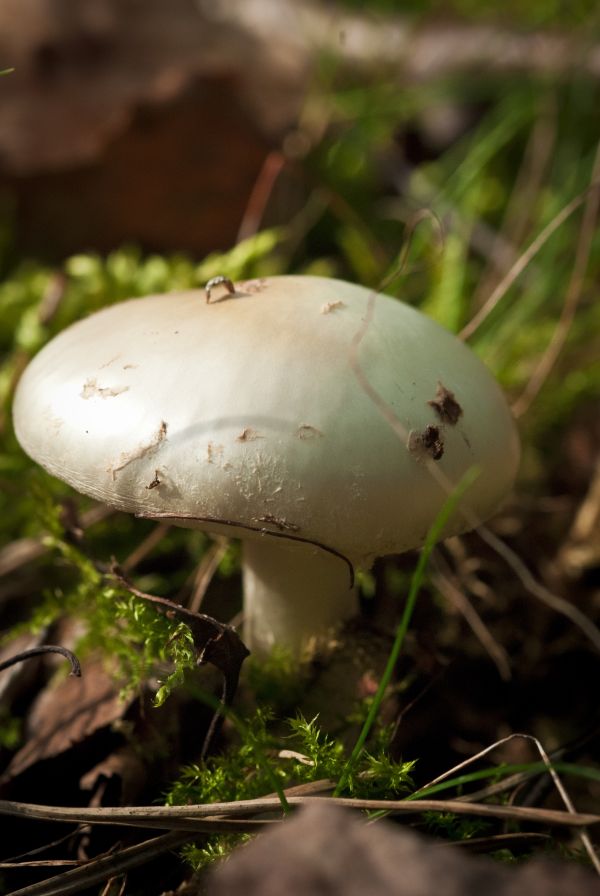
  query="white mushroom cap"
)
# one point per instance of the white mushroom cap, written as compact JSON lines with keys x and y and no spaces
{"x":245,"y":415}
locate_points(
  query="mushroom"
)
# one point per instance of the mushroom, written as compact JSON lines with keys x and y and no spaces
{"x":245,"y":415}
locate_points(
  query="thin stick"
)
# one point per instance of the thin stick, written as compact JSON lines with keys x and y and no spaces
{"x":213,"y":812}
{"x":522,"y":262}
{"x":572,"y":299}
{"x":101,"y":869}
{"x":206,"y":571}
{"x":41,"y":863}
{"x":25,"y":550}
{"x":39,"y":651}
{"x":260,"y":195}
{"x":517,"y":219}
{"x":450,"y":590}
{"x":145,"y":547}
{"x":559,"y":604}
{"x":583,"y":835}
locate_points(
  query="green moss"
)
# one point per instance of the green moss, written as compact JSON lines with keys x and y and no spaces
{"x":306,"y":754}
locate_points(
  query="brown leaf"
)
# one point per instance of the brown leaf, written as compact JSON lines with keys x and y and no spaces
{"x":125,"y":764}
{"x":65,"y":714}
{"x":327,"y":851}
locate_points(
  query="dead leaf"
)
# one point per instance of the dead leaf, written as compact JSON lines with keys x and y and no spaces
{"x":327,"y":851}
{"x":125,"y":764}
{"x":65,"y":714}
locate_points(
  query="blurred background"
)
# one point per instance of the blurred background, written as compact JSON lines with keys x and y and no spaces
{"x":447,"y":150}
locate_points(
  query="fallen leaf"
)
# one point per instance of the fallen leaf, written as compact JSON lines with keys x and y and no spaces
{"x":66,"y":713}
{"x":327,"y":851}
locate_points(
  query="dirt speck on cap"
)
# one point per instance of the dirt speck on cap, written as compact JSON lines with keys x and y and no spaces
{"x":248,"y":435}
{"x":306,"y":431}
{"x":428,"y":443}
{"x":155,"y":482}
{"x":252,"y":286}
{"x":214,"y":453}
{"x":108,"y":363}
{"x":446,"y":406}
{"x":328,"y":307}
{"x":91,"y":389}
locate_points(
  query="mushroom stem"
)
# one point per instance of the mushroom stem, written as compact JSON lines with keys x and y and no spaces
{"x":294,"y":595}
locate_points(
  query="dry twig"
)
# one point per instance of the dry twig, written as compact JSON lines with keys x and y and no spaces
{"x":447,"y":585}
{"x":522,"y":262}
{"x":215,"y":816}
{"x":572,"y":298}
